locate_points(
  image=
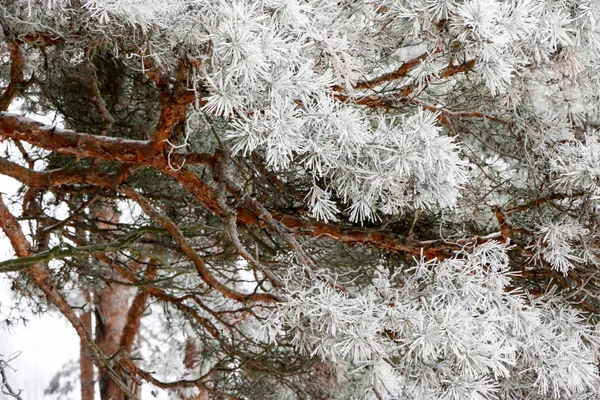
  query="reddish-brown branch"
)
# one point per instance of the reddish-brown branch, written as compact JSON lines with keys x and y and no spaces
{"x":30,"y":162}
{"x":505,"y":227}
{"x":543,"y":200}
{"x":72,"y":143}
{"x":450,"y":70}
{"x":394,"y":75}
{"x":16,"y":75}
{"x":13,"y":231}
{"x":83,"y":145}
{"x":387,"y":100}
{"x":136,"y":311}
{"x":40,"y":38}
{"x":173,"y":110}
{"x":63,"y":176}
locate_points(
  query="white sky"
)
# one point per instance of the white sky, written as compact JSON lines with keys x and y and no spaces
{"x":45,"y":344}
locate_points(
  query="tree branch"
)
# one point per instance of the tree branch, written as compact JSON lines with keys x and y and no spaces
{"x":197,"y":383}
{"x":387,"y":100}
{"x":401,"y":72}
{"x":135,"y":313}
{"x":16,"y":75}
{"x":137,"y":152}
{"x":64,"y":176}
{"x":173,"y":108}
{"x":60,"y":252}
{"x":5,"y":387}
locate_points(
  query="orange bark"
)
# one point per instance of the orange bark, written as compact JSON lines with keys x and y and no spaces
{"x":112,"y":304}
{"x":16,"y":75}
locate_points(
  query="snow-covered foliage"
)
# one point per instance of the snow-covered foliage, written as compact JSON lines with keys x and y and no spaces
{"x":280,"y":67}
{"x":446,"y":330}
{"x":482,"y":114}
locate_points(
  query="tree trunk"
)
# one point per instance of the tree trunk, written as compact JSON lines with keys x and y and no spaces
{"x":112,"y":304}
{"x":111,"y":315}
{"x":85,"y":362}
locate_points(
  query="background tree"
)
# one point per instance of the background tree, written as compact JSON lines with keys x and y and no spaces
{"x":309,"y":199}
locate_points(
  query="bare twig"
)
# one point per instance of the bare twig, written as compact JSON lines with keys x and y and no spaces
{"x":5,"y":387}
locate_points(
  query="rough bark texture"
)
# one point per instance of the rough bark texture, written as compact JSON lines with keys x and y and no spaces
{"x":111,"y":309}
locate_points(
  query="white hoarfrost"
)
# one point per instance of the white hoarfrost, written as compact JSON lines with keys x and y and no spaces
{"x":446,"y":330}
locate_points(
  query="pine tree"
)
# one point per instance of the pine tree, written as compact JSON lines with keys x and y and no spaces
{"x":308,"y":199}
